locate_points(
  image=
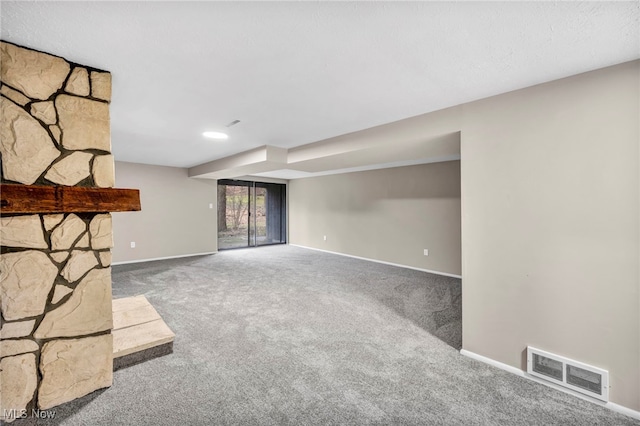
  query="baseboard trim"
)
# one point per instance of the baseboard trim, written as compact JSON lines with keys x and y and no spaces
{"x":126,"y":262}
{"x":446,"y":274}
{"x":610,"y":405}
{"x":623,"y":410}
{"x":493,"y":362}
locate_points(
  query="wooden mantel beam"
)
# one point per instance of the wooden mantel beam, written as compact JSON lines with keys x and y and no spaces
{"x":66,"y":199}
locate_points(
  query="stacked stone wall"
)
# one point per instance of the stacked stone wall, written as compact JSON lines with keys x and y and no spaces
{"x":55,"y":276}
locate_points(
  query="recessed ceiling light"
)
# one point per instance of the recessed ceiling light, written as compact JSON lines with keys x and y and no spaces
{"x":216,"y":135}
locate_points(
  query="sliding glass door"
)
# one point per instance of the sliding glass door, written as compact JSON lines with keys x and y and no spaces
{"x":233,"y":215}
{"x":250,"y":214}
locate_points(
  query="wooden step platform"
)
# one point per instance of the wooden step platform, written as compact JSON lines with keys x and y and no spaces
{"x":138,"y":332}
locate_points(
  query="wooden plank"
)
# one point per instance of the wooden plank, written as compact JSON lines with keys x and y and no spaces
{"x":142,"y":356}
{"x":140,"y":337}
{"x":132,"y":311}
{"x":129,"y":303}
{"x":137,"y":326}
{"x":66,"y":199}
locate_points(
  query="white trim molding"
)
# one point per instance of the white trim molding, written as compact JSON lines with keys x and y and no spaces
{"x":518,"y":372}
{"x":126,"y":262}
{"x":446,"y":274}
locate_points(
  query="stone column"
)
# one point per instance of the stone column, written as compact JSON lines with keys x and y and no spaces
{"x":55,"y":275}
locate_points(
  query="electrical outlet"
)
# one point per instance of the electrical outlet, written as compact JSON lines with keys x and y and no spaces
{"x":325,"y":238}
{"x":426,"y":252}
{"x":133,"y":244}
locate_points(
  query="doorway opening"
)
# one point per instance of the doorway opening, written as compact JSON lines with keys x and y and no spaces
{"x":250,"y":214}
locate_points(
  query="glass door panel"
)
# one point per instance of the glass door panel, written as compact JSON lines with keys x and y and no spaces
{"x":274,"y":213}
{"x":259,"y":216}
{"x":233,"y":227}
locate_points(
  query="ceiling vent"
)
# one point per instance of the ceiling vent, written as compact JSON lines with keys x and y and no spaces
{"x":568,"y":373}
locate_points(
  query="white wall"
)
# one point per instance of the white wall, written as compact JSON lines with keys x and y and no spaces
{"x":175,"y":219}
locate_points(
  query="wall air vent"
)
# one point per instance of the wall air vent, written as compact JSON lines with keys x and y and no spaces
{"x":568,"y":373}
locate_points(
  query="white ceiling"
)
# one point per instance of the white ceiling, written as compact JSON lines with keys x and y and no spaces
{"x":300,"y":72}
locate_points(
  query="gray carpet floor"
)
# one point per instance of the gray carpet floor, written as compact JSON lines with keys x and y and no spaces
{"x":287,"y":336}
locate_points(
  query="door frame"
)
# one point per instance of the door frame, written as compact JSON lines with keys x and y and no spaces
{"x":251,"y":201}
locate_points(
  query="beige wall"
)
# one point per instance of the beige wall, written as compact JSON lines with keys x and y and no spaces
{"x":550,"y":224}
{"x":390,"y":215}
{"x":175,"y":219}
{"x":550,"y":221}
